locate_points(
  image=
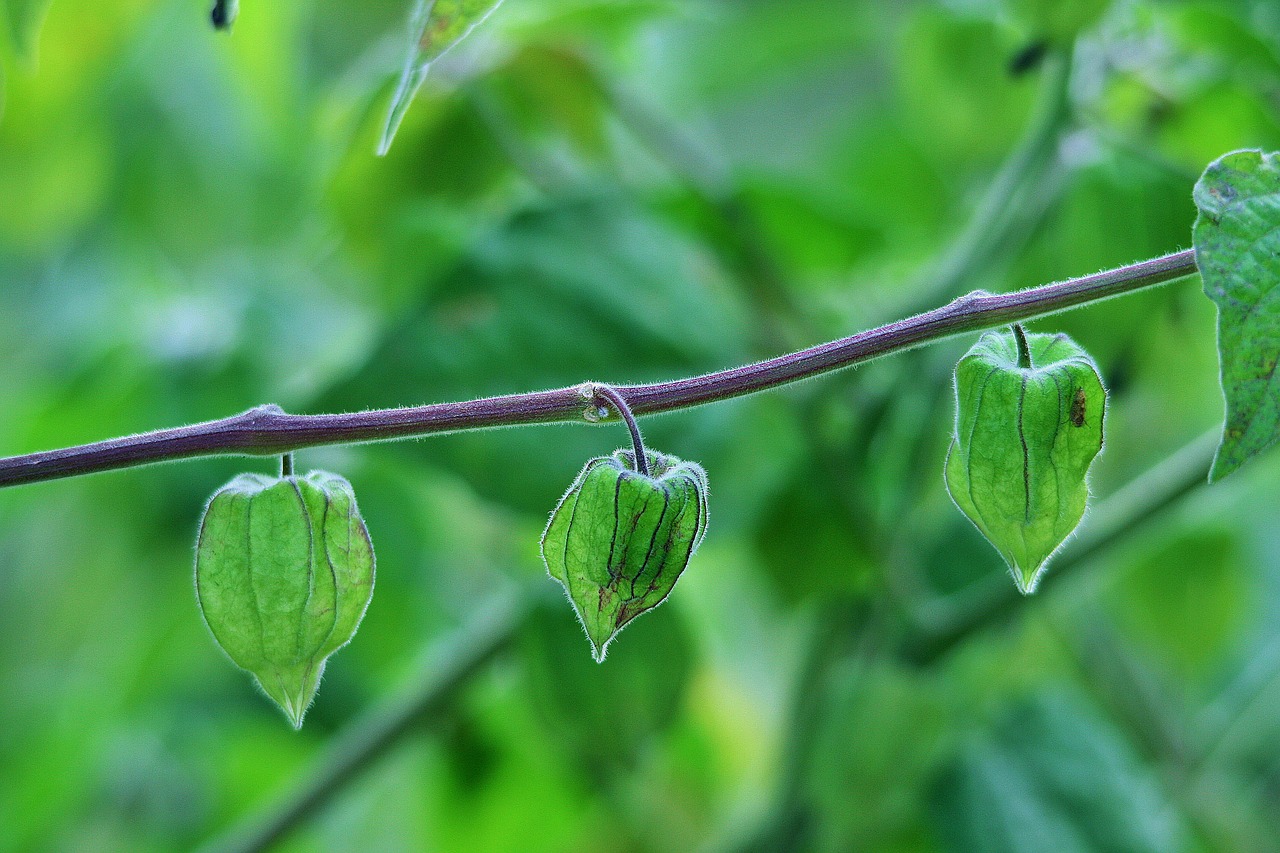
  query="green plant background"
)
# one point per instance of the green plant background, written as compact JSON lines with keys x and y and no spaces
{"x":191,"y":224}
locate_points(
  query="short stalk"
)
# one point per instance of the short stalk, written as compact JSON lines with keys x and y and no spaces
{"x":1024,"y":351}
{"x":619,"y":403}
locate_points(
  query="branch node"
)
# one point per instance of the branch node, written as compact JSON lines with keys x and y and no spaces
{"x":971,"y":298}
{"x":596,"y":408}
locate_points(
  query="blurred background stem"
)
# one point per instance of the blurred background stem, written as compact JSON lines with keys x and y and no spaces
{"x":448,"y":666}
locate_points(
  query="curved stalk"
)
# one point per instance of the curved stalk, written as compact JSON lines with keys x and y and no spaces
{"x":619,"y":403}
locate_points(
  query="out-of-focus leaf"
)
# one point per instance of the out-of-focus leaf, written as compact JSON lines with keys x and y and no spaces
{"x":1186,"y":599}
{"x":1237,"y":243}
{"x":765,"y":44}
{"x":1216,"y":117}
{"x":892,"y":188}
{"x":958,"y":96}
{"x":1052,"y":775}
{"x":987,"y":804}
{"x":49,"y":185}
{"x":25,"y":17}
{"x":549,"y":97}
{"x":807,"y":544}
{"x":1224,"y":30}
{"x":1056,"y":20}
{"x":882,"y":733}
{"x":606,"y":714}
{"x":813,"y":235}
{"x":633,"y":292}
{"x":562,"y":293}
{"x":341,"y":37}
{"x":434,"y":27}
{"x":595,"y":21}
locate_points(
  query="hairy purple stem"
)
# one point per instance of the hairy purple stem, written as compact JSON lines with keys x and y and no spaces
{"x":269,"y":430}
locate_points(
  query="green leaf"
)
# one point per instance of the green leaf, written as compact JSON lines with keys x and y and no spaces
{"x":877,"y":740}
{"x":578,"y":702}
{"x":434,"y":27}
{"x":1025,"y":437}
{"x":1057,"y":20}
{"x":1186,"y":601}
{"x":284,"y":573}
{"x":25,"y":18}
{"x":619,"y":540}
{"x":1051,"y":774}
{"x":1237,"y":245}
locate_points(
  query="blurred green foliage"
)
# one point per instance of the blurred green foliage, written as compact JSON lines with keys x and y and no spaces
{"x":192,"y":223}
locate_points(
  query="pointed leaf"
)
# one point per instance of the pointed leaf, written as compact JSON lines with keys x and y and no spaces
{"x":434,"y":27}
